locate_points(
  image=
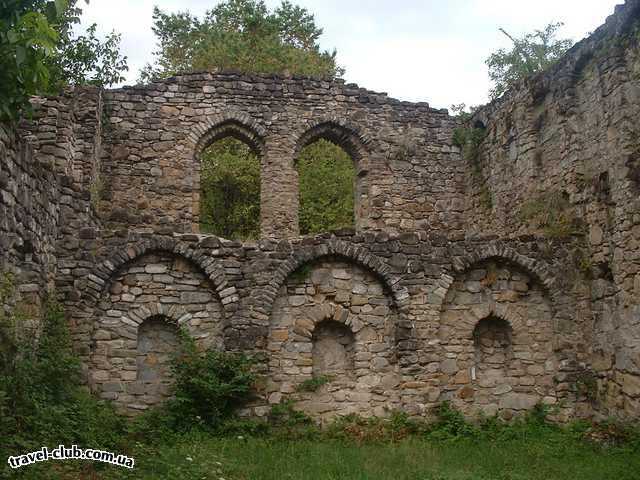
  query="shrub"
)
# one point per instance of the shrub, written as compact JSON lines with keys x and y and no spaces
{"x":209,"y":386}
{"x":41,"y":399}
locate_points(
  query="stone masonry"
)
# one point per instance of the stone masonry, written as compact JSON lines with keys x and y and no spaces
{"x":445,"y":290}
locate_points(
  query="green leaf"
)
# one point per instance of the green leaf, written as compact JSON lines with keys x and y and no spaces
{"x":61,"y":6}
{"x":12,"y":36}
{"x":21,"y":54}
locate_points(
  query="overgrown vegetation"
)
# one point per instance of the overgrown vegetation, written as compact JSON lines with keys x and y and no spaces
{"x":532,"y":53}
{"x":551,"y":213}
{"x":468,"y":140}
{"x":313,"y":383}
{"x":41,"y":399}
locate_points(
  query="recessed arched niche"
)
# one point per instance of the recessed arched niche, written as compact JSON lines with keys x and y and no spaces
{"x":496,"y":339}
{"x":333,"y":349}
{"x":157,"y":343}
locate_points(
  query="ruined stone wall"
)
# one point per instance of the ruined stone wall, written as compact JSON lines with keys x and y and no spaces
{"x":561,"y":158}
{"x":29,"y":212}
{"x":448,"y":288}
{"x":407,"y":174}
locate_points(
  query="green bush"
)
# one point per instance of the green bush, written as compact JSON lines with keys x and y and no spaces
{"x":42,"y":401}
{"x":209,"y":386}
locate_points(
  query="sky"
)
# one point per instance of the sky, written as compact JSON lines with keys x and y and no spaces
{"x":430,"y":50}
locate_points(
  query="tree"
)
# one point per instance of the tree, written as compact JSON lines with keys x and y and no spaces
{"x":27,"y":39}
{"x":240,"y":35}
{"x":532,"y":53}
{"x":40,"y":53}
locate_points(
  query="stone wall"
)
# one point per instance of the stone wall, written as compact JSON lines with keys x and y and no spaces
{"x":566,"y":143}
{"x":29,"y":212}
{"x":448,"y":288}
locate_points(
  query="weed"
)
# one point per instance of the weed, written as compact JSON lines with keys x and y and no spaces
{"x":314,"y":383}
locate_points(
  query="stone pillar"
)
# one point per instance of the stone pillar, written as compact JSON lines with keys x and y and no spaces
{"x":279,"y":202}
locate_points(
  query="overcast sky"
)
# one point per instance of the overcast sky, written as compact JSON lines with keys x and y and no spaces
{"x":429,"y":50}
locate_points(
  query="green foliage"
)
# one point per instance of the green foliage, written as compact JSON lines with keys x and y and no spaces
{"x":242,"y":35}
{"x":531,"y":53}
{"x":27,"y":39}
{"x":314,"y":383}
{"x":450,"y":424}
{"x":87,"y":59}
{"x":551,"y":213}
{"x":41,"y":400}
{"x":208,"y":386}
{"x":230,"y":190}
{"x":39,"y":53}
{"x":469,"y":141}
{"x":327,"y":180}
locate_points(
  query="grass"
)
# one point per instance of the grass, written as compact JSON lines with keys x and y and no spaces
{"x":548,"y":454}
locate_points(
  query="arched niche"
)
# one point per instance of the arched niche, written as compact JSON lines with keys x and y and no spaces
{"x":143,"y":302}
{"x":496,"y":340}
{"x":336,"y":318}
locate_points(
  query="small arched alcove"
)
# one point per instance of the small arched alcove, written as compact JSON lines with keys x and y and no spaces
{"x":330,"y":160}
{"x":492,"y":341}
{"x":332,"y":349}
{"x":228,"y":202}
{"x":157,"y":342}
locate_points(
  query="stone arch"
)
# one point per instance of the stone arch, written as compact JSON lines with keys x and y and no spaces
{"x":352,"y":253}
{"x":340,"y":132}
{"x":235,"y":124}
{"x":320,"y":313}
{"x":98,"y":280}
{"x":538,"y":269}
{"x":338,"y":319}
{"x":217,"y":127}
{"x":497,"y":283}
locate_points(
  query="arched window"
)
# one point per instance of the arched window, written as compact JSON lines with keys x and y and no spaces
{"x":230,"y":183}
{"x":329,"y":162}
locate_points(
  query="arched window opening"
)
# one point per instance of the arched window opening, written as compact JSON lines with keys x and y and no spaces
{"x":333,"y":349}
{"x":157,"y":340}
{"x":230,"y":190}
{"x":327,"y":182}
{"x":492,"y":344}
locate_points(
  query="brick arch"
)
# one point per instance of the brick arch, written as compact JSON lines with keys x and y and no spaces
{"x":234,"y":124}
{"x":340,"y":132}
{"x":99,"y":279}
{"x":337,"y":248}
